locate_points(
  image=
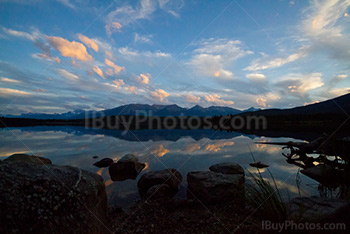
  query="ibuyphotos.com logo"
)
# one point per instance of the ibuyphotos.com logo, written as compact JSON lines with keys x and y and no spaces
{"x":290,"y":225}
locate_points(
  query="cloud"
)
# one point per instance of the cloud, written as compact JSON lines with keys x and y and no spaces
{"x":112,"y":28}
{"x":270,"y":97}
{"x":336,"y":79}
{"x":135,"y":53}
{"x":109,"y":54}
{"x":109,"y":72}
{"x":217,"y":146}
{"x":192,"y":147}
{"x":142,"y":39}
{"x":119,"y":82}
{"x":8,"y":80}
{"x":192,"y":98}
{"x":88,"y":42}
{"x":70,"y":49}
{"x":215,"y":98}
{"x":339,"y":91}
{"x":256,"y":77}
{"x":160,"y":94}
{"x":67,"y":3}
{"x":39,"y":90}
{"x":143,"y":78}
{"x":5,"y":92}
{"x":268,"y":63}
{"x":117,"y":69}
{"x":29,"y":36}
{"x":214,"y":57}
{"x":46,"y":57}
{"x":322,"y":31}
{"x":325,"y":30}
{"x":132,"y":89}
{"x":261,"y":102}
{"x":98,"y":72}
{"x":300,"y":84}
{"x":67,"y":74}
{"x":159,"y":150}
{"x":127,"y":14}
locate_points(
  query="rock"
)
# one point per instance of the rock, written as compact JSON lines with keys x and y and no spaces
{"x":160,"y":191}
{"x":106,"y":162}
{"x":317,"y":209}
{"x":227,"y":168}
{"x":94,"y":157}
{"x":128,"y":167}
{"x":324,"y":174}
{"x":212,"y":187}
{"x":51,"y":199}
{"x":258,"y":165}
{"x":28,"y":158}
{"x":170,"y":177}
{"x":128,"y":158}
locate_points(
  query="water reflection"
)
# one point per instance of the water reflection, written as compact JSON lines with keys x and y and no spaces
{"x":159,"y":149}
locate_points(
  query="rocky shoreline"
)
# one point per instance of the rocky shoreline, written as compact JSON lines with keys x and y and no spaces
{"x":39,"y":197}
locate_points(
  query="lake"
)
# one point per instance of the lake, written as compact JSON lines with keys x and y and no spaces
{"x":184,"y":150}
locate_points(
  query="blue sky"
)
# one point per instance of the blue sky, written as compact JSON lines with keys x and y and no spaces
{"x":62,"y":55}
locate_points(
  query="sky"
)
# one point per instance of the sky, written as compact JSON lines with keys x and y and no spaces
{"x":63,"y":55}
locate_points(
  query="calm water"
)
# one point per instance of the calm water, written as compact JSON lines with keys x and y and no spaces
{"x":183,"y":150}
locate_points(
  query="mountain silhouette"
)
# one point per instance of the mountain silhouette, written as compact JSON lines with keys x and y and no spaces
{"x":336,"y":106}
{"x":139,"y":109}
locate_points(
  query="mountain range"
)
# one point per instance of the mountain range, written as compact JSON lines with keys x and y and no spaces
{"x":338,"y":105}
{"x":140,"y":109}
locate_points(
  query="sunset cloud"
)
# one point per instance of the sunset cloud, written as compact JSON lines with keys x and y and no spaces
{"x":159,"y":150}
{"x":215,"y":98}
{"x":300,"y":84}
{"x":217,"y":146}
{"x":132,"y":89}
{"x":261,"y":102}
{"x":8,"y":80}
{"x":160,"y":94}
{"x":117,"y":69}
{"x":192,"y":98}
{"x":119,"y":82}
{"x":88,"y":42}
{"x":98,"y":71}
{"x":5,"y":92}
{"x":144,"y":78}
{"x":72,"y":49}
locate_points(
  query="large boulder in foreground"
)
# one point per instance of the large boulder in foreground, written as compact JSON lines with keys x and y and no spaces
{"x":227,"y":168}
{"x":212,"y":187}
{"x":28,"y":158}
{"x":170,"y":177}
{"x":317,"y":209}
{"x":51,"y":199}
{"x":128,"y":167}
